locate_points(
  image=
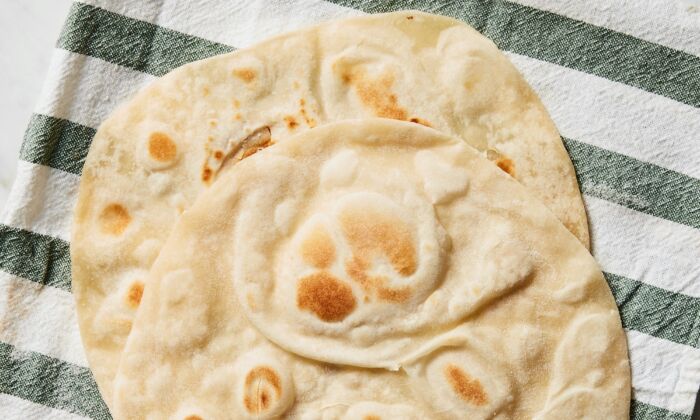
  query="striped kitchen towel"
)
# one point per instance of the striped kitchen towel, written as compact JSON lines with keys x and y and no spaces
{"x":621,"y":80}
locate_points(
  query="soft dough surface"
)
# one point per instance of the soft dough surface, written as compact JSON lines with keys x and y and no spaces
{"x":155,"y":154}
{"x":373,"y":243}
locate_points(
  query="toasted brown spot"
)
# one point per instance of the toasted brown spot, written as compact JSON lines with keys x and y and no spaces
{"x":134,"y":294}
{"x":205,"y":91}
{"x":291,"y":122}
{"x":266,"y":373}
{"x":206,"y":174}
{"x":249,"y":152}
{"x":260,"y":383}
{"x":114,"y":219}
{"x":245,"y":74}
{"x":476,"y":82}
{"x":213,"y":123}
{"x":236,"y":103}
{"x":394,"y":295}
{"x":469,"y":389}
{"x":302,"y":110}
{"x":255,"y":149}
{"x":328,"y":298}
{"x":193,"y":417}
{"x":371,"y":234}
{"x":420,"y":121}
{"x":506,"y":165}
{"x":409,"y":17}
{"x":371,"y":417}
{"x":237,"y":117}
{"x":317,"y":249}
{"x":357,"y":267}
{"x":161,"y":147}
{"x":218,"y":155}
{"x":376,"y":93}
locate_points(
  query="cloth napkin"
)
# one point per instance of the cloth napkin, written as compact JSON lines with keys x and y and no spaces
{"x":621,"y":80}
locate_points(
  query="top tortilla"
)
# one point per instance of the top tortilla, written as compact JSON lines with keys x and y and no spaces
{"x":373,"y":243}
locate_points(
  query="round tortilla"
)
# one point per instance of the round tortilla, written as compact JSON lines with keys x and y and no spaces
{"x":373,"y":243}
{"x":154,"y":155}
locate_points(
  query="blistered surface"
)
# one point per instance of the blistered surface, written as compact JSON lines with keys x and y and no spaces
{"x":154,"y":155}
{"x":333,"y":276}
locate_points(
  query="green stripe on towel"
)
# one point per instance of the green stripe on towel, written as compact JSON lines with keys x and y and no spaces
{"x":51,"y":382}
{"x":132,"y":43}
{"x":642,"y":411}
{"x":57,"y":143}
{"x":635,"y":184}
{"x":39,"y":258}
{"x":655,"y":311}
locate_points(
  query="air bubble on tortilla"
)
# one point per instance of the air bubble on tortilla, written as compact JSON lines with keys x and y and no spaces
{"x":464,"y":386}
{"x":161,"y":147}
{"x":442,"y":182}
{"x":463,"y":381}
{"x":158,"y":147}
{"x":385,"y":252}
{"x":372,"y":232}
{"x":284,"y":215}
{"x":158,"y":182}
{"x":147,"y":251}
{"x":178,"y":202}
{"x":264,"y":387}
{"x":340,"y":170}
{"x":114,"y":219}
{"x":181,"y":292}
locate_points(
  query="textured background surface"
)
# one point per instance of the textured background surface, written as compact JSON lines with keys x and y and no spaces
{"x":621,"y":79}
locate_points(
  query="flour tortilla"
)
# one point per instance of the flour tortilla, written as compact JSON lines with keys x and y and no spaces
{"x":155,"y":154}
{"x":473,"y":302}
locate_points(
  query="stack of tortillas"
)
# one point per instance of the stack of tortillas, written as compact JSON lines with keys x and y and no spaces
{"x":374,"y":218}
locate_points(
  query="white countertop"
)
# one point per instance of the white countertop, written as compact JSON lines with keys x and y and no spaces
{"x":28,"y":32}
